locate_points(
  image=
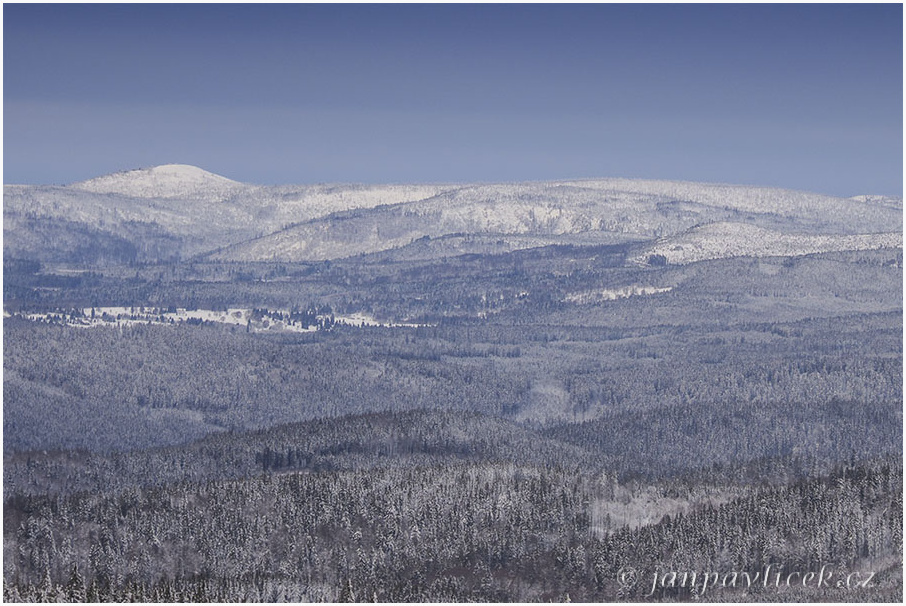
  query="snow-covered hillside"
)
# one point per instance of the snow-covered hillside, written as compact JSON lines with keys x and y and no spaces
{"x":800,"y":206}
{"x":166,"y":181}
{"x":601,"y":212}
{"x":178,"y":211}
{"x":723,"y":240}
{"x":192,"y":210}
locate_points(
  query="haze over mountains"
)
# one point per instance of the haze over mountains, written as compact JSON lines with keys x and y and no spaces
{"x":178,"y":212}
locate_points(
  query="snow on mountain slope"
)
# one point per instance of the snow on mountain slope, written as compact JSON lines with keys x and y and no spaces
{"x":888,"y":201}
{"x":523,"y":209}
{"x":197,"y":213}
{"x":601,"y":211}
{"x":200,"y":224}
{"x":201,"y":210}
{"x":722,"y":240}
{"x":259,"y":208}
{"x":288,"y":204}
{"x":860,"y":214}
{"x":166,"y":181}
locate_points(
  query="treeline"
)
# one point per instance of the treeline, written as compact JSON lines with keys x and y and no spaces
{"x":471,"y":532}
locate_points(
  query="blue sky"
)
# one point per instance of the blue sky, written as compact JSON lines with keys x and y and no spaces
{"x":800,"y":96}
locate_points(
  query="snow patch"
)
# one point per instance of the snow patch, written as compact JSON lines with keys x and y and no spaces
{"x":363,"y":319}
{"x":596,"y":296}
{"x":252,"y":320}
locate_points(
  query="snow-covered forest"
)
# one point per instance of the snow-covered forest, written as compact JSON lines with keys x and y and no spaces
{"x":551,"y":391}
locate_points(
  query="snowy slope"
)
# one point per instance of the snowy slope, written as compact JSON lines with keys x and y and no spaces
{"x":195,"y":210}
{"x":822,"y":211}
{"x":723,"y":240}
{"x":166,"y":181}
{"x":888,"y":201}
{"x":603,"y":212}
{"x":182,"y":211}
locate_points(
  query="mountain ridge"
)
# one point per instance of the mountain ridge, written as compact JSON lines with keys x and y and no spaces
{"x":191,"y":213}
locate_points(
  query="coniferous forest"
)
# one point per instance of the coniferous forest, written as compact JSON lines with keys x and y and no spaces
{"x":454,"y":418}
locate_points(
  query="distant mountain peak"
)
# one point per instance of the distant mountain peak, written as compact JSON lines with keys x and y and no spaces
{"x":164,"y":181}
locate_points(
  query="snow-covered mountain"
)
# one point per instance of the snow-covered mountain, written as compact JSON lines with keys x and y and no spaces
{"x":167,"y":181}
{"x":178,"y":211}
{"x":587,"y":212}
{"x":186,"y":211}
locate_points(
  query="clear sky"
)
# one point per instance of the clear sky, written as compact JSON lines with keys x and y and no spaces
{"x":800,"y":96}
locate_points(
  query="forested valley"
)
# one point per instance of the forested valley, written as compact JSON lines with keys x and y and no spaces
{"x":459,"y":419}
